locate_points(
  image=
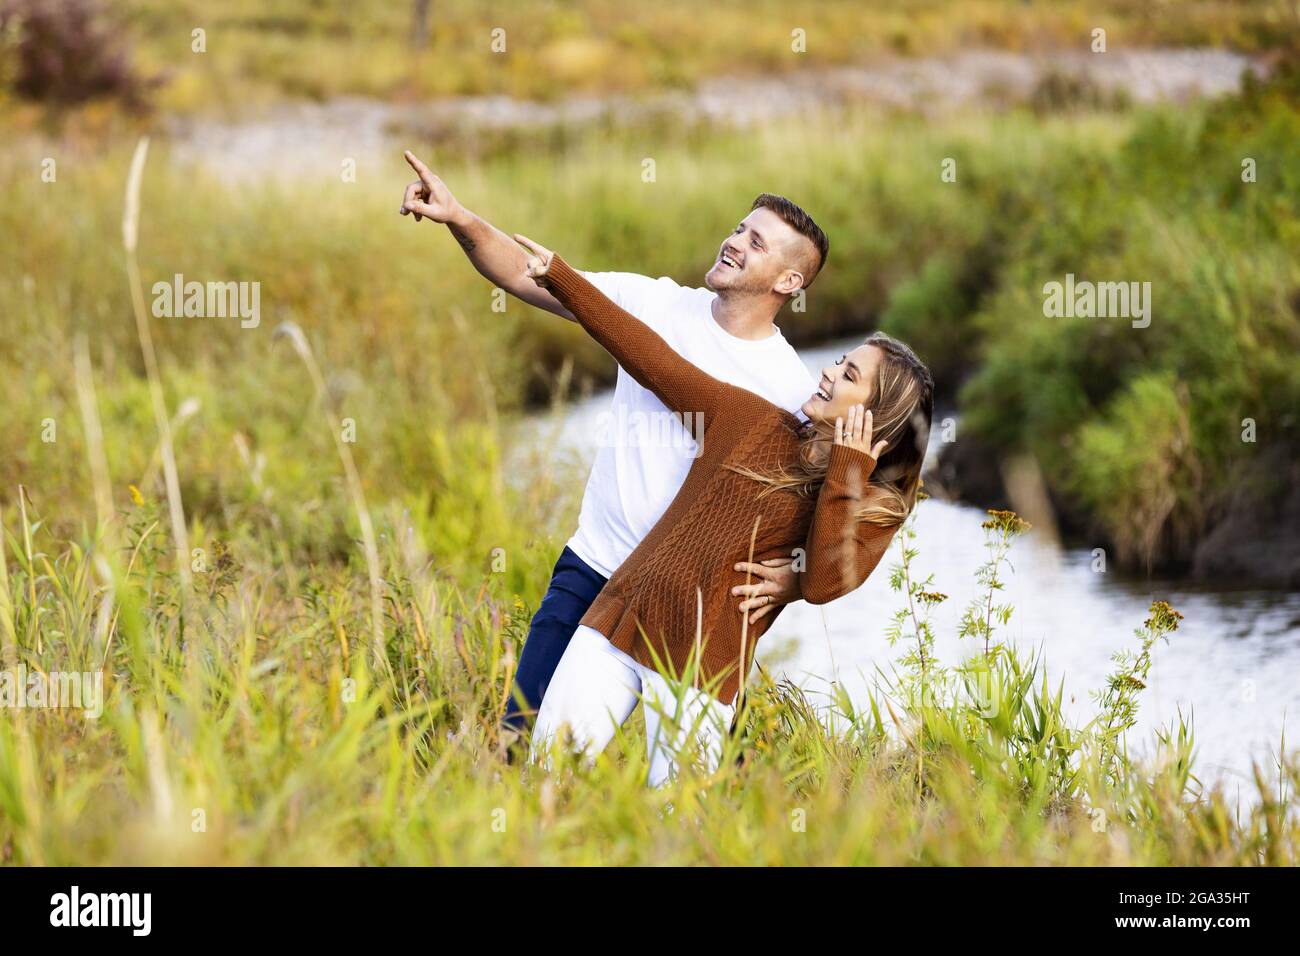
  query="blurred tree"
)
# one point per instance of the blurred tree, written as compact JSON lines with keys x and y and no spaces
{"x":420,"y":23}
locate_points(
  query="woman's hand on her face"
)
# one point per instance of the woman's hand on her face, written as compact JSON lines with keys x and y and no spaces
{"x":855,"y":431}
{"x":539,"y":260}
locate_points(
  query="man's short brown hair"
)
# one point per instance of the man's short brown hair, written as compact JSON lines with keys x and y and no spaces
{"x":797,"y":219}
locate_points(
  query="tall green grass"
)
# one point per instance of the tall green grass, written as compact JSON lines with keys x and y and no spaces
{"x":255,"y":731}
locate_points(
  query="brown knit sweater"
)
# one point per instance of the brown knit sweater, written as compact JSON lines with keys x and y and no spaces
{"x":675,"y":588}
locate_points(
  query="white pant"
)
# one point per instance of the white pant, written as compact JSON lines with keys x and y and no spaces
{"x":595,"y":688}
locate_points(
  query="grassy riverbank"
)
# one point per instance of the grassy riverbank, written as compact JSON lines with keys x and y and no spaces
{"x":545,"y":48}
{"x":1168,"y":442}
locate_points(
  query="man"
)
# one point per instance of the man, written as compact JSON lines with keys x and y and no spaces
{"x":728,"y":330}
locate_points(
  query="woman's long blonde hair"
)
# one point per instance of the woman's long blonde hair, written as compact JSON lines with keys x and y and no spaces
{"x":901,"y":408}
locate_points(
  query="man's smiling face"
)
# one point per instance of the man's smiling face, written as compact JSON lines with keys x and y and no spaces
{"x":760,"y":256}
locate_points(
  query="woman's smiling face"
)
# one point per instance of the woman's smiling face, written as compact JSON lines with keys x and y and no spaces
{"x":850,"y":381}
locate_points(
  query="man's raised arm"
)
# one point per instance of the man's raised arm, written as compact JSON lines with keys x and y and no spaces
{"x":496,"y":256}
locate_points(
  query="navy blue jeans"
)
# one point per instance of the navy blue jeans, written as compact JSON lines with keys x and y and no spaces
{"x":574,"y":586}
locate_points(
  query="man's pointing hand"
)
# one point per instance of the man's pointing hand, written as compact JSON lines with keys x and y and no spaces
{"x":428,"y":197}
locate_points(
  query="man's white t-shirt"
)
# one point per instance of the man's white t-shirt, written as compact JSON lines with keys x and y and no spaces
{"x":643,"y":453}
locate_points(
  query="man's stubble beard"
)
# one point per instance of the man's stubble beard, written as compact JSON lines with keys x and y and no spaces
{"x":742,"y":289}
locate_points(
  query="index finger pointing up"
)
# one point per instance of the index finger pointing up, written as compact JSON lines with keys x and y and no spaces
{"x":421,"y":170}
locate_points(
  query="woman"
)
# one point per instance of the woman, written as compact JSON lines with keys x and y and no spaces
{"x":766,"y":484}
